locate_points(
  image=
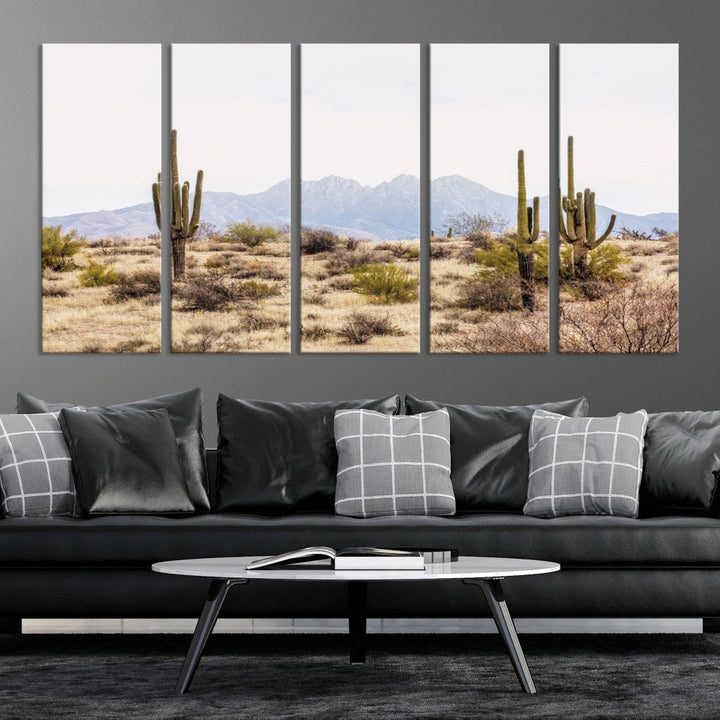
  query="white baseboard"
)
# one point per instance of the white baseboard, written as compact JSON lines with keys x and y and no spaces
{"x":374,"y":625}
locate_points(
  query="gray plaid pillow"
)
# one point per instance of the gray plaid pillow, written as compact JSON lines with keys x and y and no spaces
{"x":585,"y":466}
{"x":35,"y":467}
{"x":393,"y":465}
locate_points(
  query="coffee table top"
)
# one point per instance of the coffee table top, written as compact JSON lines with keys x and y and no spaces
{"x":464,"y":568}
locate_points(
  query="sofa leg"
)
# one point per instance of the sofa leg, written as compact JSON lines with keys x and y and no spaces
{"x":10,"y":626}
{"x":711,"y":624}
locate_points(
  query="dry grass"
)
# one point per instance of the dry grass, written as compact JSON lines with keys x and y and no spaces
{"x":88,"y":319}
{"x":331,"y":304}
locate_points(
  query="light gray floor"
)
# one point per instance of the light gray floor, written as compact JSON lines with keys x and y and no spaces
{"x":374,"y":625}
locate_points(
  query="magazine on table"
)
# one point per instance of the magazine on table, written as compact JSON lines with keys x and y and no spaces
{"x":349,"y":558}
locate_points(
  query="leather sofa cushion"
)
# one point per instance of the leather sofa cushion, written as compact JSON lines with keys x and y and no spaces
{"x":125,"y":461}
{"x":489,"y":449}
{"x":681,"y":462}
{"x":137,"y":541}
{"x":276,"y":457}
{"x":185,"y":412}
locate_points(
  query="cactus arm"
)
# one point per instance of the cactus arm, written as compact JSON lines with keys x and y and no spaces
{"x":197,"y":201}
{"x":607,"y":232}
{"x":173,"y":157}
{"x":156,"y":196}
{"x":185,"y":208}
{"x":177,"y":208}
{"x":523,"y":233}
{"x":534,"y":219}
{"x":561,"y":221}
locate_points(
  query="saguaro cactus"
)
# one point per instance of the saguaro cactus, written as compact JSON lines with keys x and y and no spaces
{"x":182,"y":224}
{"x":581,"y":228}
{"x":528,"y":231}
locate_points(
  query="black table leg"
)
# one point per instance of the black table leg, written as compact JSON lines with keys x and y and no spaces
{"x":205,"y":624}
{"x":505,"y":625}
{"x":357,"y":620}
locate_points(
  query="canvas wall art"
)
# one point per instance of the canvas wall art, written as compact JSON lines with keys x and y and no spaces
{"x":360,"y":198}
{"x":231,"y":243}
{"x":100,"y":246}
{"x":618,"y":213}
{"x":489,"y":215}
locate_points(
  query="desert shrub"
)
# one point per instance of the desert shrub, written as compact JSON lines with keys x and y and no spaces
{"x":445,"y":328}
{"x":399,"y":250}
{"x":604,"y":264}
{"x":316,"y":240}
{"x":507,"y":333}
{"x":490,"y":290}
{"x":341,"y":262}
{"x":499,"y":255}
{"x":352,"y":243}
{"x":248,"y":233}
{"x":438,"y":252}
{"x":253,"y":322}
{"x":58,"y":248}
{"x":98,"y":275}
{"x":315,"y":333}
{"x":481,"y":239}
{"x":254,"y":290}
{"x":384,"y":284}
{"x":639,"y":319}
{"x":466,"y":224}
{"x":316,"y":298}
{"x":360,"y":327}
{"x":141,"y":284}
{"x":54,"y":291}
{"x":204,"y":293}
{"x":129,"y":346}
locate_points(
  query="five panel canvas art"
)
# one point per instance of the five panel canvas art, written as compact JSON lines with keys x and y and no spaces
{"x":225,"y":210}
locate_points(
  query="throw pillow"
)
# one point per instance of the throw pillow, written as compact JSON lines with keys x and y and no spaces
{"x":393,"y":465}
{"x":35,"y":472}
{"x":682,"y":462}
{"x":185,"y":412}
{"x":585,"y":466}
{"x":276,"y":458}
{"x":125,"y":461}
{"x":489,"y":450}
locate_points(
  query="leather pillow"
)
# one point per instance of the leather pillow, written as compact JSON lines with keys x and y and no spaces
{"x":185,"y":412}
{"x":489,"y":450}
{"x":682,"y":462}
{"x":276,"y":458}
{"x":125,"y":461}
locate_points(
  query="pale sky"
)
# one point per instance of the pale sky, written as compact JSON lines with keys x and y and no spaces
{"x":360,"y":111}
{"x":231,"y":108}
{"x":101,"y":126}
{"x":488,"y":102}
{"x":620,"y":103}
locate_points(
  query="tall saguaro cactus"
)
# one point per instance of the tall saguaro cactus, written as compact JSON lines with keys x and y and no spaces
{"x":183,"y":225}
{"x":581,"y":228}
{"x":528,"y":231}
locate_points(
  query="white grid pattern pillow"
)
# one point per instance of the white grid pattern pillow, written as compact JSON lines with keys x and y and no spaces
{"x":393,"y":465}
{"x":35,"y":467}
{"x":585,"y":466}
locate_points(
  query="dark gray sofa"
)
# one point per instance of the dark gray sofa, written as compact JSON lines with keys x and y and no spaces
{"x":666,"y":566}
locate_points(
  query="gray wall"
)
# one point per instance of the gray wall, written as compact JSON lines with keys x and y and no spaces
{"x":684,"y":381}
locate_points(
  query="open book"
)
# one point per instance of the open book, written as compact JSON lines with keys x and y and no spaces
{"x":350,"y":558}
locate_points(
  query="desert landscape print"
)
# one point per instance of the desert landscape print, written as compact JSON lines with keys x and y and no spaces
{"x":360,"y":198}
{"x":619,"y":267}
{"x":489,"y":169}
{"x":101,"y":124}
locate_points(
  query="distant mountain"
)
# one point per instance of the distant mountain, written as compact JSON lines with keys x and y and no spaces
{"x":390,"y":210}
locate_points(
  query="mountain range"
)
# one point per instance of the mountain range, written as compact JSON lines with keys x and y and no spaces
{"x":388,"y":211}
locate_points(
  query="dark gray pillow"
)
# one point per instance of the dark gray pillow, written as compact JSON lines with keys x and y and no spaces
{"x":185,"y":412}
{"x":393,"y":465}
{"x":585,"y":466}
{"x":489,"y":448}
{"x":125,"y":461}
{"x":35,"y":471}
{"x":276,"y":458}
{"x":682,"y":462}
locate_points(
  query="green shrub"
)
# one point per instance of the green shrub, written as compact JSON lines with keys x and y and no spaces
{"x":498,"y":255}
{"x":249,"y":234}
{"x":98,"y":275}
{"x":384,"y":284}
{"x":254,"y":290}
{"x":58,"y":248}
{"x":604,"y":264}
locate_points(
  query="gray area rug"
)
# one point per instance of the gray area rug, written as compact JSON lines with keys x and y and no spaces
{"x":409,"y":676}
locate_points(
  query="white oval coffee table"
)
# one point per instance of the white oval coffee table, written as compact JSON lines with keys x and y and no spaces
{"x":485,"y":572}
